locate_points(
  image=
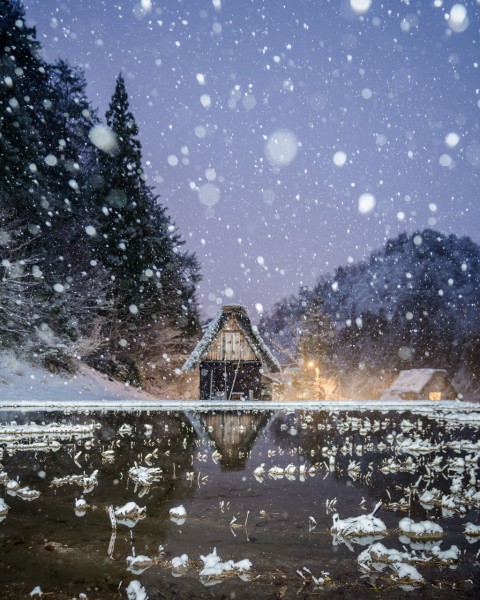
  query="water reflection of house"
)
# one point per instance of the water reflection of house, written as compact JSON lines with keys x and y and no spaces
{"x":233,"y":359}
{"x":421,"y":384}
{"x":234,"y":435}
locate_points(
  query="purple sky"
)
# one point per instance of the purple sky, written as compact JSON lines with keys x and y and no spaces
{"x":287,"y":138}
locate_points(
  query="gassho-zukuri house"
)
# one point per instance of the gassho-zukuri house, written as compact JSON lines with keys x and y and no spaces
{"x":232,"y":358}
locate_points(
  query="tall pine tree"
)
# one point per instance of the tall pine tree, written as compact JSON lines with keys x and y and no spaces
{"x":65,"y":135}
{"x":84,"y":240}
{"x":46,"y":161}
{"x":23,"y":80}
{"x":153,"y":281}
{"x":72,"y":165}
{"x":24,"y":207}
{"x":315,"y":334}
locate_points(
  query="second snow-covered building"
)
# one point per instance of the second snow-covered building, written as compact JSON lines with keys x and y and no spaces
{"x":421,"y":384}
{"x":232,"y":358}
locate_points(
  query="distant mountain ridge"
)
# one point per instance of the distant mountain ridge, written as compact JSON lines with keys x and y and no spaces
{"x":415,"y":300}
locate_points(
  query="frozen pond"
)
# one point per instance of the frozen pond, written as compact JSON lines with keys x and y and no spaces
{"x":88,"y":499}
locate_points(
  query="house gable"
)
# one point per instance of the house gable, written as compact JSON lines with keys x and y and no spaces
{"x":250,"y":341}
{"x":231,"y":344}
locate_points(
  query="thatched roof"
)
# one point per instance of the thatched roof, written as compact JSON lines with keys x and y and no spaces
{"x":250,"y":332}
{"x":413,"y":380}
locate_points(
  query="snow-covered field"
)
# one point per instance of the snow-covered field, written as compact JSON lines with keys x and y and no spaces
{"x":20,"y":381}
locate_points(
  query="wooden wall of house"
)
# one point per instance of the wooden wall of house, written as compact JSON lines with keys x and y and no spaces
{"x":230,"y":380}
{"x":231,"y":344}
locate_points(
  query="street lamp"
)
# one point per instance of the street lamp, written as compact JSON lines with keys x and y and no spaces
{"x":313,"y":365}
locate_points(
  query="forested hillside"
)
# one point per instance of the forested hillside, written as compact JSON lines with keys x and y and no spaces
{"x":91,"y":264}
{"x":413,"y":303}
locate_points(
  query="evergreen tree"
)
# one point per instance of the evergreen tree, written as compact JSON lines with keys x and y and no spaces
{"x":22,"y":82}
{"x":153,"y":282}
{"x":46,"y":161}
{"x":316,"y":334}
{"x":24,"y":193}
{"x":90,"y":239}
{"x":72,"y":165}
{"x":65,"y":135}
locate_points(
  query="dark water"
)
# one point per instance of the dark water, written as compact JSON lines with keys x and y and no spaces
{"x":207,"y":461}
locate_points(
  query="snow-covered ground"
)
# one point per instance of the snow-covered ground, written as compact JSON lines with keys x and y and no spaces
{"x":26,"y":386}
{"x":20,"y":381}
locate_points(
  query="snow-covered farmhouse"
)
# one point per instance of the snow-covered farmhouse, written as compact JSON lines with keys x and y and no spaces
{"x":232,"y":358}
{"x":421,"y":384}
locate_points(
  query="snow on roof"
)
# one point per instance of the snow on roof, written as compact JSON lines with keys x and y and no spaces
{"x":250,"y":331}
{"x":413,"y":380}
